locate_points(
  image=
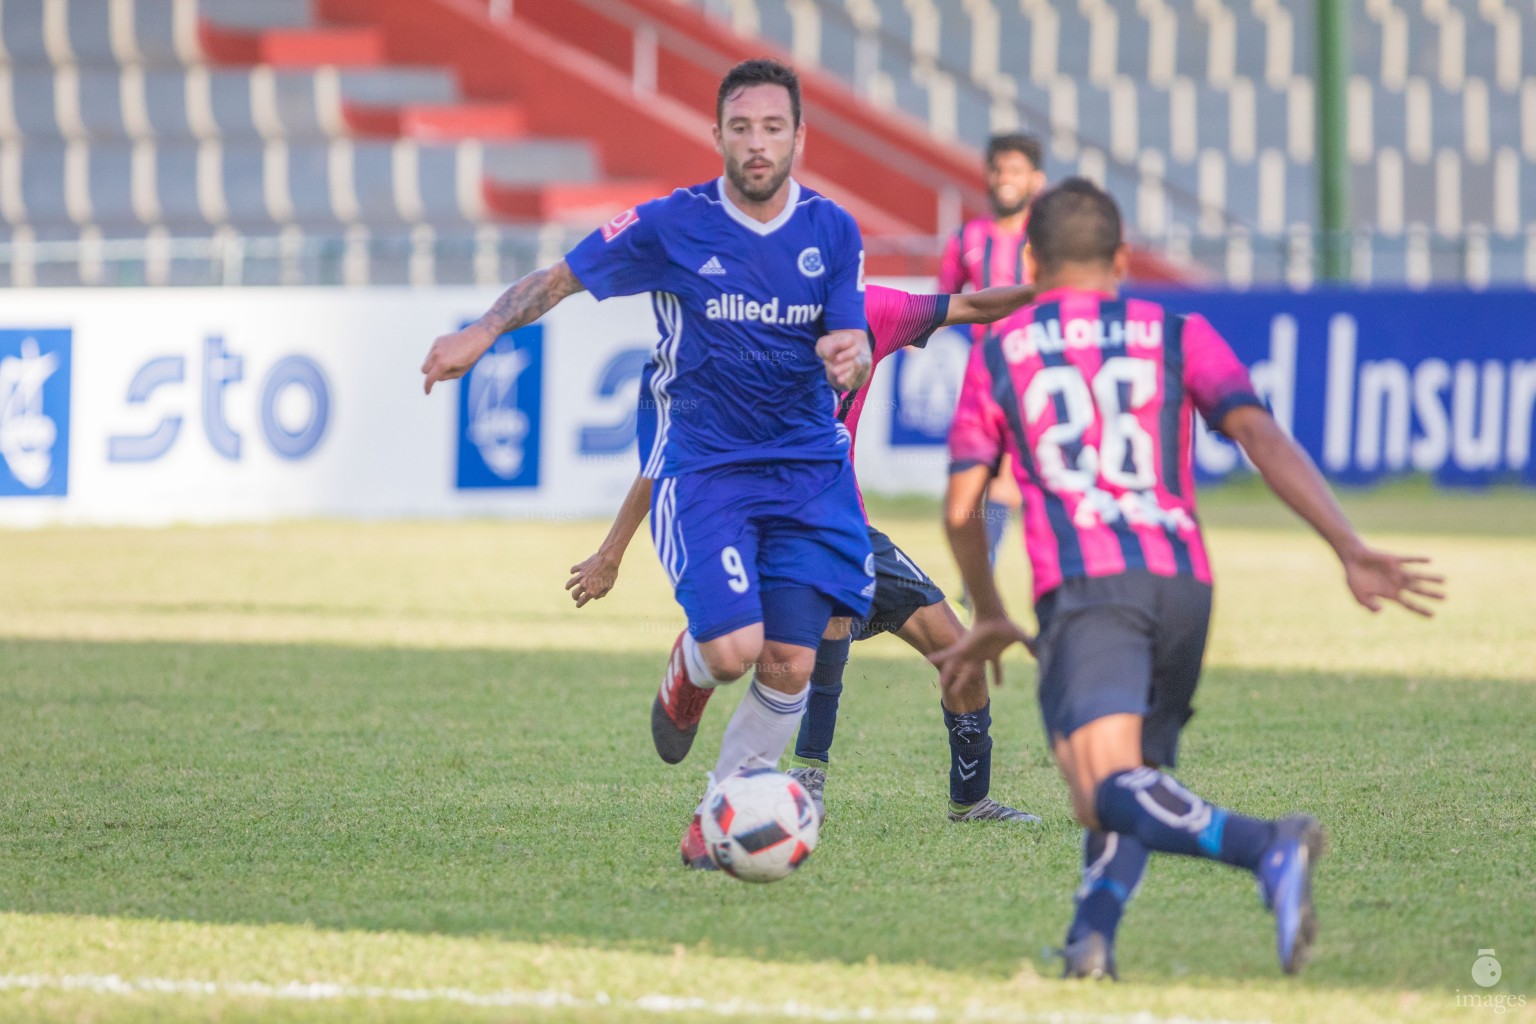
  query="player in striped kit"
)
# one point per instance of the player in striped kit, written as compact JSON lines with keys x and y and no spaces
{"x":1094,"y":396}
{"x":906,"y":602}
{"x":988,"y":252}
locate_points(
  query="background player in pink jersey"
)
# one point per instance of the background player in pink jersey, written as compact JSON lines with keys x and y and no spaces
{"x":1094,"y":396}
{"x":989,"y":252}
{"x":906,"y":601}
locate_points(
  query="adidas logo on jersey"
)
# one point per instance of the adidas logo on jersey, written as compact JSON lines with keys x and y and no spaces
{"x":712,"y":268}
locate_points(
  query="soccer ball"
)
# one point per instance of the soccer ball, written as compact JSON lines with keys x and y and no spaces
{"x":760,"y":825}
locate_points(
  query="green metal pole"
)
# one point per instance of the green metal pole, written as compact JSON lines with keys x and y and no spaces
{"x":1333,"y":134}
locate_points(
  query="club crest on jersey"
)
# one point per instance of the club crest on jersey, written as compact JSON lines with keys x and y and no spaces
{"x":616,"y":227}
{"x":810,"y":262}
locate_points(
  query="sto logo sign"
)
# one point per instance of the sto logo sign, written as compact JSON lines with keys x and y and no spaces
{"x":293,"y":405}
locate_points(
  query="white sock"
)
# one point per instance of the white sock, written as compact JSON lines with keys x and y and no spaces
{"x":697,"y":668}
{"x":764,"y":723}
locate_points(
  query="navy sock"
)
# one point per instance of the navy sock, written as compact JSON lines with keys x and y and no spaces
{"x":820,"y":721}
{"x":1169,"y":818}
{"x":1113,"y":864}
{"x":996,"y":518}
{"x":970,"y":754}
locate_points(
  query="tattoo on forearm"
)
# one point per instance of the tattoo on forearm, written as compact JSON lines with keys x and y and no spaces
{"x":529,"y":298}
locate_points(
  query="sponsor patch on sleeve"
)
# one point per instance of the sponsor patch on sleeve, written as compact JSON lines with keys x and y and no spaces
{"x":617,"y":226}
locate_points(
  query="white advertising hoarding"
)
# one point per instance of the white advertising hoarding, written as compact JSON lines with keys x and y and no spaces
{"x":158,"y":406}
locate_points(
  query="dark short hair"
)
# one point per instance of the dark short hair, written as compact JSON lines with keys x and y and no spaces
{"x":761,"y":71}
{"x":1074,"y":221}
{"x":1016,"y":142}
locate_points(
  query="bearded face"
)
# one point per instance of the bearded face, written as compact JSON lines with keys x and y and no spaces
{"x":1012,"y":181}
{"x":759,"y":139}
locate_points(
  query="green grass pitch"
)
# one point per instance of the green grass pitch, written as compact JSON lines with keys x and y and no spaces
{"x":327,"y":771}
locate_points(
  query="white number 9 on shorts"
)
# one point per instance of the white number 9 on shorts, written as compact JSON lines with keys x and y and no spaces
{"x":730,"y":558}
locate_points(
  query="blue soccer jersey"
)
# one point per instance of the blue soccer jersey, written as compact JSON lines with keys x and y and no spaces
{"x":739,"y":305}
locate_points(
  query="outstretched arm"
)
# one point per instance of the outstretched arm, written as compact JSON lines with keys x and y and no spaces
{"x":593,"y":578}
{"x":1373,"y":576}
{"x":987,"y":305}
{"x":529,"y":298}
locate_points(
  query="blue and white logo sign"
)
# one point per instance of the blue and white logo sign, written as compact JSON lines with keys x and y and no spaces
{"x":927,"y":388}
{"x":500,"y":403}
{"x":34,"y":412}
{"x":811,"y":264}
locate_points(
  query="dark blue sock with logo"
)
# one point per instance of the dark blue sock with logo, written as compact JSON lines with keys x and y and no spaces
{"x":820,"y":721}
{"x":1113,"y":864}
{"x":1166,"y":817}
{"x":970,"y":754}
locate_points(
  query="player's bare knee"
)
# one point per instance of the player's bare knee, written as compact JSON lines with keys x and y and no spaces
{"x":786,"y":667}
{"x":932,"y":628}
{"x":731,"y":656}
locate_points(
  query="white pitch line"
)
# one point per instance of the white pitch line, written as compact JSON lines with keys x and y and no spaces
{"x":115,"y":985}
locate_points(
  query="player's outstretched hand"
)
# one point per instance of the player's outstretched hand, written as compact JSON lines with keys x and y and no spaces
{"x":593,"y":578}
{"x":452,"y":355}
{"x":1374,"y":576}
{"x":983,"y":645}
{"x":847,"y":358}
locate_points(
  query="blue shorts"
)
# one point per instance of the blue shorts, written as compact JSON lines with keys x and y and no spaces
{"x":730,"y":534}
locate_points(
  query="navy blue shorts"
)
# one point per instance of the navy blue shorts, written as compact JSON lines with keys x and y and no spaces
{"x":901,"y":588}
{"x":1125,"y":644}
{"x":729,"y":534}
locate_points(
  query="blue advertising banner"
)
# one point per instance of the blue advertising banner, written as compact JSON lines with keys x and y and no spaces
{"x":34,"y":412}
{"x":500,"y":406}
{"x":1370,"y":383}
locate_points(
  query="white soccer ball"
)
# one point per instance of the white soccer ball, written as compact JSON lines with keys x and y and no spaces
{"x":760,"y":825}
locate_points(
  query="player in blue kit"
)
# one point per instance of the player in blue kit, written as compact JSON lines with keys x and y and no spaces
{"x":757,"y":285}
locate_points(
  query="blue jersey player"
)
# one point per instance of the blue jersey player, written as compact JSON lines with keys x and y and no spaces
{"x":757,"y":285}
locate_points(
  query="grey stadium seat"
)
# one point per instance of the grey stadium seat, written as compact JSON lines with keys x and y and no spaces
{"x":22,"y":27}
{"x":43,"y":183}
{"x":165,"y":100}
{"x":90,"y":32}
{"x":1016,"y":36}
{"x":32,"y":92}
{"x":955,"y":37}
{"x":1477,"y":193}
{"x":1418,"y":193}
{"x":775,"y":23}
{"x":265,"y":14}
{"x":396,"y":86}
{"x":1133,"y":54}
{"x":111,"y":183}
{"x":1072,"y":41}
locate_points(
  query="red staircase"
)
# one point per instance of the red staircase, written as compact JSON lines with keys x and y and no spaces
{"x":362,"y":43}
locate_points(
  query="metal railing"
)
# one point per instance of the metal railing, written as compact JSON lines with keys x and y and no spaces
{"x":1417,"y":258}
{"x":232,"y":259}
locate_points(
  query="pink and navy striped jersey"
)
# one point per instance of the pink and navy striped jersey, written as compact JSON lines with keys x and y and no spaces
{"x":896,"y":319}
{"x":1094,"y":398}
{"x":983,"y":255}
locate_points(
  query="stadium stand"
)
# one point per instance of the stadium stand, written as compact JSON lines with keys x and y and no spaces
{"x":334,"y":141}
{"x":358,"y":141}
{"x":1216,"y":98}
{"x":249,"y":143}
